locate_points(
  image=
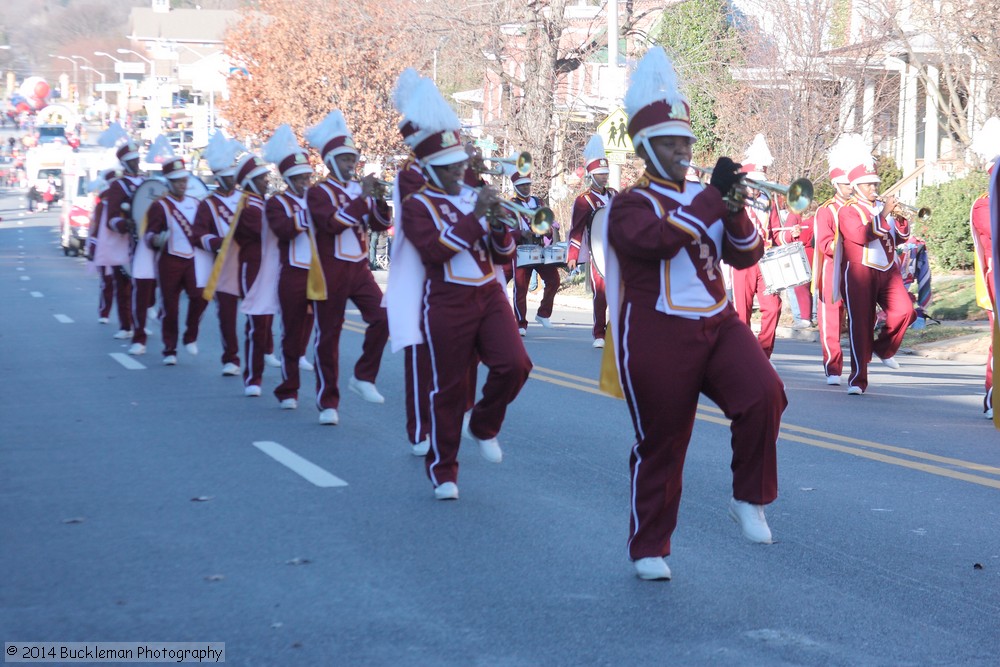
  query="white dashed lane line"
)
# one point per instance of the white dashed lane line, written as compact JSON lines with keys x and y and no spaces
{"x":25,"y":278}
{"x":37,"y":295}
{"x":127,"y":361}
{"x":299,"y":465}
{"x":65,"y":319}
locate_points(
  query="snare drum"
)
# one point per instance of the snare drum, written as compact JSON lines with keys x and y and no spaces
{"x":785,"y":267}
{"x":528,"y":255}
{"x":556,"y":253}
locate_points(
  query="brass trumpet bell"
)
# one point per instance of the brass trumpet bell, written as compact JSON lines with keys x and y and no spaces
{"x":541,"y":218}
{"x":798,"y":195}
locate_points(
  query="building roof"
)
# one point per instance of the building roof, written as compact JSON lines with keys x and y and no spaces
{"x":181,"y":25}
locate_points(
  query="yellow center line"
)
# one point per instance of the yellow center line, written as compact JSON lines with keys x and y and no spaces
{"x":789,"y":432}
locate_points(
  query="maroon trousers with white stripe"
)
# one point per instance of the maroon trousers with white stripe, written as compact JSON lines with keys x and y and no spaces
{"x":176,"y":276}
{"x":828,"y":317}
{"x":549,"y":276}
{"x":296,"y":324}
{"x":116,"y":287}
{"x":864,"y":288}
{"x":257,"y":337}
{"x":600,"y":302}
{"x":226,"y":305}
{"x":419,"y":378}
{"x":460,"y":323}
{"x":748,"y":283}
{"x":143,"y":298}
{"x":354,"y":281}
{"x":666,"y":363}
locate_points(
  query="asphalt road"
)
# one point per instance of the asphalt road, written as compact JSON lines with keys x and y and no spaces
{"x":887,"y":504}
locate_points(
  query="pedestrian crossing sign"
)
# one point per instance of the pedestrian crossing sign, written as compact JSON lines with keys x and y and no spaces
{"x":614,"y":132}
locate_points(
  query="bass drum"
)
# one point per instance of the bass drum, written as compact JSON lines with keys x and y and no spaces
{"x":155,"y":187}
{"x":597,"y":226}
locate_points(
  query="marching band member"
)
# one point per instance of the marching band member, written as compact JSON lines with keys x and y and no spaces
{"x":342,"y":210}
{"x":674,"y":334}
{"x":169,"y":230}
{"x":826,"y":265}
{"x":287,"y":216}
{"x":465,"y":311}
{"x":110,"y":259}
{"x":798,"y":228}
{"x":987,"y":144}
{"x":549,"y":274}
{"x":584,"y":208}
{"x":403,"y":295}
{"x":118,"y":203}
{"x":258,"y":283}
{"x":215,"y":215}
{"x":749,"y":282}
{"x":870,"y":231}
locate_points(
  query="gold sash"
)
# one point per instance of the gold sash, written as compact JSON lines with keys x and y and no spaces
{"x":315,"y":281}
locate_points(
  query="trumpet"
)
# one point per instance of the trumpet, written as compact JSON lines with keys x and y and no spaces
{"x":522,"y":162}
{"x":383,"y":189}
{"x":907,"y":211}
{"x":798,"y":195}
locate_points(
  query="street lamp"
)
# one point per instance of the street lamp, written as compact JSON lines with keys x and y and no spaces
{"x":154,"y":109}
{"x":100,"y":74}
{"x":76,"y":78}
{"x":90,"y":79}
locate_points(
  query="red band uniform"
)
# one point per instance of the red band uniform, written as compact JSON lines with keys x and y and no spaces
{"x":584,"y":208}
{"x":749,"y":282}
{"x":829,"y":304}
{"x":211,"y":224}
{"x":548,"y":273}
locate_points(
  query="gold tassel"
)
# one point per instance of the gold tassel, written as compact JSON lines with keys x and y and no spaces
{"x":609,"y":382}
{"x":315,"y":282}
{"x":220,"y":259}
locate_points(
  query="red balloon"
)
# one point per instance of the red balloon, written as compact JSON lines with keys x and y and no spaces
{"x":41,"y":90}
{"x":23,"y":106}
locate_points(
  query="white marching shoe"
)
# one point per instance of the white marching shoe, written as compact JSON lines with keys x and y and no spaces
{"x":598,"y":343}
{"x":365,"y":390}
{"x":522,"y":331}
{"x":854,"y":391}
{"x":192,"y":349}
{"x":230,"y":369}
{"x":652,"y":569}
{"x":329,"y":417}
{"x":544,"y":321}
{"x":272,"y":361}
{"x":122,"y":334}
{"x":251,"y":391}
{"x":988,"y":414}
{"x":489,"y":449}
{"x":137,"y":348}
{"x":751,"y":519}
{"x":447,"y":491}
{"x":289,"y":404}
{"x":421,"y":448}
{"x":103,"y":320}
{"x":170,"y":360}
{"x":890,"y":362}
{"x":833,"y":379}
{"x":305,"y":365}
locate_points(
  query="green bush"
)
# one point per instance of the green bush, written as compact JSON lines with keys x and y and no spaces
{"x":949,"y":243}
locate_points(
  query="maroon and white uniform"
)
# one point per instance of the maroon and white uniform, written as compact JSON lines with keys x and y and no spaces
{"x":211,"y":224}
{"x":826,"y":284}
{"x":522,"y":276}
{"x":584,"y":208}
{"x":802,"y":293}
{"x":677,"y":337}
{"x":288,"y":218}
{"x":257,"y":336}
{"x":143,"y":281}
{"x":112,"y":253}
{"x":465,"y":314}
{"x":175,"y":266}
{"x":342,"y":218}
{"x":749,"y":282}
{"x":417,"y":359}
{"x":870,"y":277}
{"x":983,"y":242}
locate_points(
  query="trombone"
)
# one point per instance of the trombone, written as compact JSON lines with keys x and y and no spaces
{"x":798,"y":195}
{"x":522,"y":162}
